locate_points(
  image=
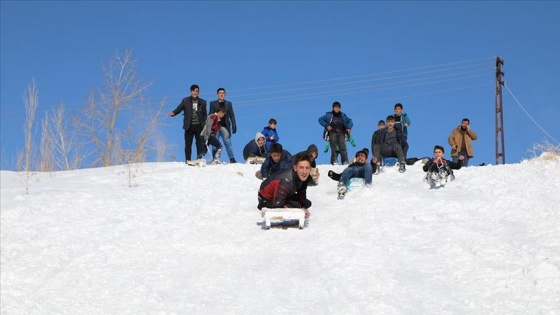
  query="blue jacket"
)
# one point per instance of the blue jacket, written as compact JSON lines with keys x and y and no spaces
{"x":229,"y":118}
{"x":269,"y":132}
{"x":325,"y":121}
{"x":270,"y":167}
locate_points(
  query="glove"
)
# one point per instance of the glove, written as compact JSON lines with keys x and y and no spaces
{"x":352,"y":142}
{"x":234,"y":129}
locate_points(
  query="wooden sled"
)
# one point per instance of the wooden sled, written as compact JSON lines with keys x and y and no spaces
{"x":283,"y":217}
{"x":255,"y":160}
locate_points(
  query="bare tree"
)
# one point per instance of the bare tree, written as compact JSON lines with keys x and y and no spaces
{"x":68,"y":153}
{"x":46,"y":148}
{"x":110,"y":121}
{"x":30,"y":103}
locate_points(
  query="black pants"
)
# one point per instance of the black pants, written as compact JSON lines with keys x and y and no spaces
{"x":194,"y":132}
{"x":394,"y":149}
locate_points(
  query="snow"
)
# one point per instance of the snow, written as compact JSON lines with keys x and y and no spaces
{"x":187,"y":240}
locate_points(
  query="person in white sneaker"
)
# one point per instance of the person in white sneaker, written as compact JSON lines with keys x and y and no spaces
{"x":209,"y":133}
{"x":360,"y":168}
{"x":228,"y":126}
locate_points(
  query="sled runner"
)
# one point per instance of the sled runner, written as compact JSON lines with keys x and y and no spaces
{"x":197,"y":162}
{"x":283,"y":215}
{"x":255,"y":160}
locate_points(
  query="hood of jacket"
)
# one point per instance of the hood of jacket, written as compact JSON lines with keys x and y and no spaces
{"x":257,"y":136}
{"x":313,"y":148}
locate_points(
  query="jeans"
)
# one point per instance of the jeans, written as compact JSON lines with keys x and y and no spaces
{"x":365,"y":172}
{"x":465,"y":161}
{"x":227,"y":144}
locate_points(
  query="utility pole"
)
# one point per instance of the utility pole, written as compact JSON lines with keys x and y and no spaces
{"x":500,"y":144}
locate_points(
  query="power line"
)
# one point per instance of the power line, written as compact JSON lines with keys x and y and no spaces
{"x":528,"y":115}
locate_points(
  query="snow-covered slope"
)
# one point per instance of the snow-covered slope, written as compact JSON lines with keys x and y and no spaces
{"x":188,"y":240}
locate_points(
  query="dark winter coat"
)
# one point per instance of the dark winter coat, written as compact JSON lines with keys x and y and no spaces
{"x":270,"y":167}
{"x":378,"y":138}
{"x":310,"y":149}
{"x":186,"y":107}
{"x":229,"y":118}
{"x":326,"y":120}
{"x":283,"y":188}
{"x":252,"y":148}
{"x":452,"y":165}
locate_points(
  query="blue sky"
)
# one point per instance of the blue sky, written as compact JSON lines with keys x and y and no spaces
{"x":292,"y":60}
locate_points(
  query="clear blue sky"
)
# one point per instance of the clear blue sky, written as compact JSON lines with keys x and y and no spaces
{"x":292,"y":60}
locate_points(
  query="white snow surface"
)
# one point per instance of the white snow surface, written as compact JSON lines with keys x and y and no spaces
{"x":189,"y":240}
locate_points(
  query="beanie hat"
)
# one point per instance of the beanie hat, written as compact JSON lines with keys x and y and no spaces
{"x":364,"y":151}
{"x":381,"y":122}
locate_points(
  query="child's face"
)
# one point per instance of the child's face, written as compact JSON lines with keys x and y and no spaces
{"x":398,"y":110}
{"x":272,"y":126}
{"x":438,"y":154}
{"x":260,"y":141}
{"x":303,"y":168}
{"x":276,"y":156}
{"x":221,"y":115}
{"x":381,"y":126}
{"x":336,"y":109}
{"x":361,"y":158}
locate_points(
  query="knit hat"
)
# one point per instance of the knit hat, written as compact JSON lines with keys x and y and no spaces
{"x":364,"y":151}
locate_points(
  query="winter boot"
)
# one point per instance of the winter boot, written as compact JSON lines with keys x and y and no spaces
{"x":217,"y":157}
{"x":232,"y":160}
{"x":402,"y":167}
{"x":377,"y":169}
{"x":341,"y":188}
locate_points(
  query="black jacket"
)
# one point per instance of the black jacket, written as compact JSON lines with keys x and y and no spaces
{"x":279,"y":189}
{"x":229,"y":118}
{"x":452,"y":165}
{"x":378,"y":138}
{"x":186,"y":107}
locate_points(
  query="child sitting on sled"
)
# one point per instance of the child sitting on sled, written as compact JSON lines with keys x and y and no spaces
{"x":438,"y":169}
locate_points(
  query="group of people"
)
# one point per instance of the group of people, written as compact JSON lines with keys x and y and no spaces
{"x":207,"y":129}
{"x":286,"y":176}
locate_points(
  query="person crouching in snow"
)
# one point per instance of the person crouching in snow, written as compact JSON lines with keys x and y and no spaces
{"x":287,"y":188}
{"x":439,"y":169}
{"x":211,"y":128}
{"x":255,"y":150}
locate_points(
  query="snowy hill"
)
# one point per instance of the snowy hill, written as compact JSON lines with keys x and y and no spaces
{"x":188,"y":240}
